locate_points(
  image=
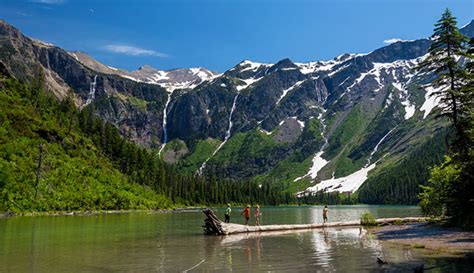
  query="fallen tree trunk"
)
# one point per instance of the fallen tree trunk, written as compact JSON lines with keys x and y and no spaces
{"x":213,"y":226}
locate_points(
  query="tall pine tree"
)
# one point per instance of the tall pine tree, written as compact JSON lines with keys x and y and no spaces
{"x":450,"y":189}
{"x":449,"y":45}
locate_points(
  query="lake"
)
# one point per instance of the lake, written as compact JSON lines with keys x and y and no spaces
{"x":173,"y":242}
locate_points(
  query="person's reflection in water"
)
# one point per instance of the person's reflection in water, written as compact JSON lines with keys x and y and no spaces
{"x":258,"y":245}
{"x":229,"y":258}
{"x":326,"y":236}
{"x":362,"y":232}
{"x":248,"y":250}
{"x":210,"y":246}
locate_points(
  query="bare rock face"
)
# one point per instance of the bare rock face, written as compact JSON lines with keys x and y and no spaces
{"x":134,"y":107}
{"x":289,"y":131}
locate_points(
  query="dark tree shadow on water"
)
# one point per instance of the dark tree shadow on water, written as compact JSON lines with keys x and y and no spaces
{"x":423,"y":230}
{"x":460,"y":258}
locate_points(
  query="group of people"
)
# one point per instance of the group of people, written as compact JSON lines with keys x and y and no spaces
{"x":246,"y":213}
{"x":257,"y":214}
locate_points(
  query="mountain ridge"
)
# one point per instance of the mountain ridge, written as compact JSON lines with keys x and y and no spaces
{"x":298,"y":124}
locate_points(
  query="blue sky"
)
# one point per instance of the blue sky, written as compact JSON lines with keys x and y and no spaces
{"x":218,"y":34}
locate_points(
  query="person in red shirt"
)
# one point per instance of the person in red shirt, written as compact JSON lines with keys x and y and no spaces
{"x":246,"y":214}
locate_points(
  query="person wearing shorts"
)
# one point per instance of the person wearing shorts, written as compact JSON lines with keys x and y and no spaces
{"x":246,"y":214}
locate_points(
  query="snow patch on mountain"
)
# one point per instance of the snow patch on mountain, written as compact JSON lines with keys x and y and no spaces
{"x":247,"y":83}
{"x":395,"y":40}
{"x":312,"y":67}
{"x":380,"y":69}
{"x":318,"y":163}
{"x":264,"y":131}
{"x":321,"y":66}
{"x":404,"y":100}
{"x":307,"y":68}
{"x":431,"y":100}
{"x":42,"y":42}
{"x":74,"y":55}
{"x":348,"y":183}
{"x":409,"y":109}
{"x":389,"y":100}
{"x":183,"y":78}
{"x":159,"y":76}
{"x":339,"y":69}
{"x":297,"y":84}
{"x":300,"y":122}
{"x":249,"y":65}
{"x":131,"y":78}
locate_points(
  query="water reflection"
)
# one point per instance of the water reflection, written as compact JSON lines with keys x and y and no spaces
{"x":144,"y":242}
{"x":322,"y":247}
{"x":319,"y":248}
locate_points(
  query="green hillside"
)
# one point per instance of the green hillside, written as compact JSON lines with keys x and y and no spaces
{"x":74,"y":174}
{"x":54,"y":157}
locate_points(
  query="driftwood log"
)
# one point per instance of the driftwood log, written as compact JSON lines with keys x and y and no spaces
{"x":214,"y":226}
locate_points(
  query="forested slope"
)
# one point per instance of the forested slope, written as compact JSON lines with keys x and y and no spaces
{"x":55,"y":157}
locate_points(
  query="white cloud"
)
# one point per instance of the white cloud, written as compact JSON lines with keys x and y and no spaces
{"x":23,"y":14}
{"x":391,"y":41}
{"x":133,"y":51}
{"x":49,"y":2}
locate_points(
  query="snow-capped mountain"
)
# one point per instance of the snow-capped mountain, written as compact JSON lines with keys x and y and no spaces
{"x":181,"y":78}
{"x":356,"y":123}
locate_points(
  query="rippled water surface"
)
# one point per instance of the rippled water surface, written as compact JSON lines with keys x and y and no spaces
{"x":173,"y":242}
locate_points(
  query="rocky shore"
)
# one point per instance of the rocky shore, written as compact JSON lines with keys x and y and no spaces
{"x":429,"y":236}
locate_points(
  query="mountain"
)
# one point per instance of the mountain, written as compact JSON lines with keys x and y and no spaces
{"x":356,"y":123}
{"x":170,"y":79}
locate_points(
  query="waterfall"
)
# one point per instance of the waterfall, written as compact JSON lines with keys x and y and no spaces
{"x":227,"y":134}
{"x":377,"y":147}
{"x":226,"y":137}
{"x":91,"y":96}
{"x":165,"y":131}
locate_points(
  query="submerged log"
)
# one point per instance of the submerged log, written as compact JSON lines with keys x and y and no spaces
{"x":213,"y":226}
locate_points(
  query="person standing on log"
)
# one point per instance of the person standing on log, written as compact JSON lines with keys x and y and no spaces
{"x":325,"y":214}
{"x":227,"y":214}
{"x":257,"y":214}
{"x":246,"y":214}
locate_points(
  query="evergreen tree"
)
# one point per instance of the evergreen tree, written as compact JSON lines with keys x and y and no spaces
{"x":451,"y":184}
{"x":447,"y":47}
{"x":468,"y":95}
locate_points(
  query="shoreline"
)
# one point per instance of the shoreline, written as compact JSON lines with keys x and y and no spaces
{"x":428,"y":236}
{"x":7,"y":214}
{"x":98,"y":212}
